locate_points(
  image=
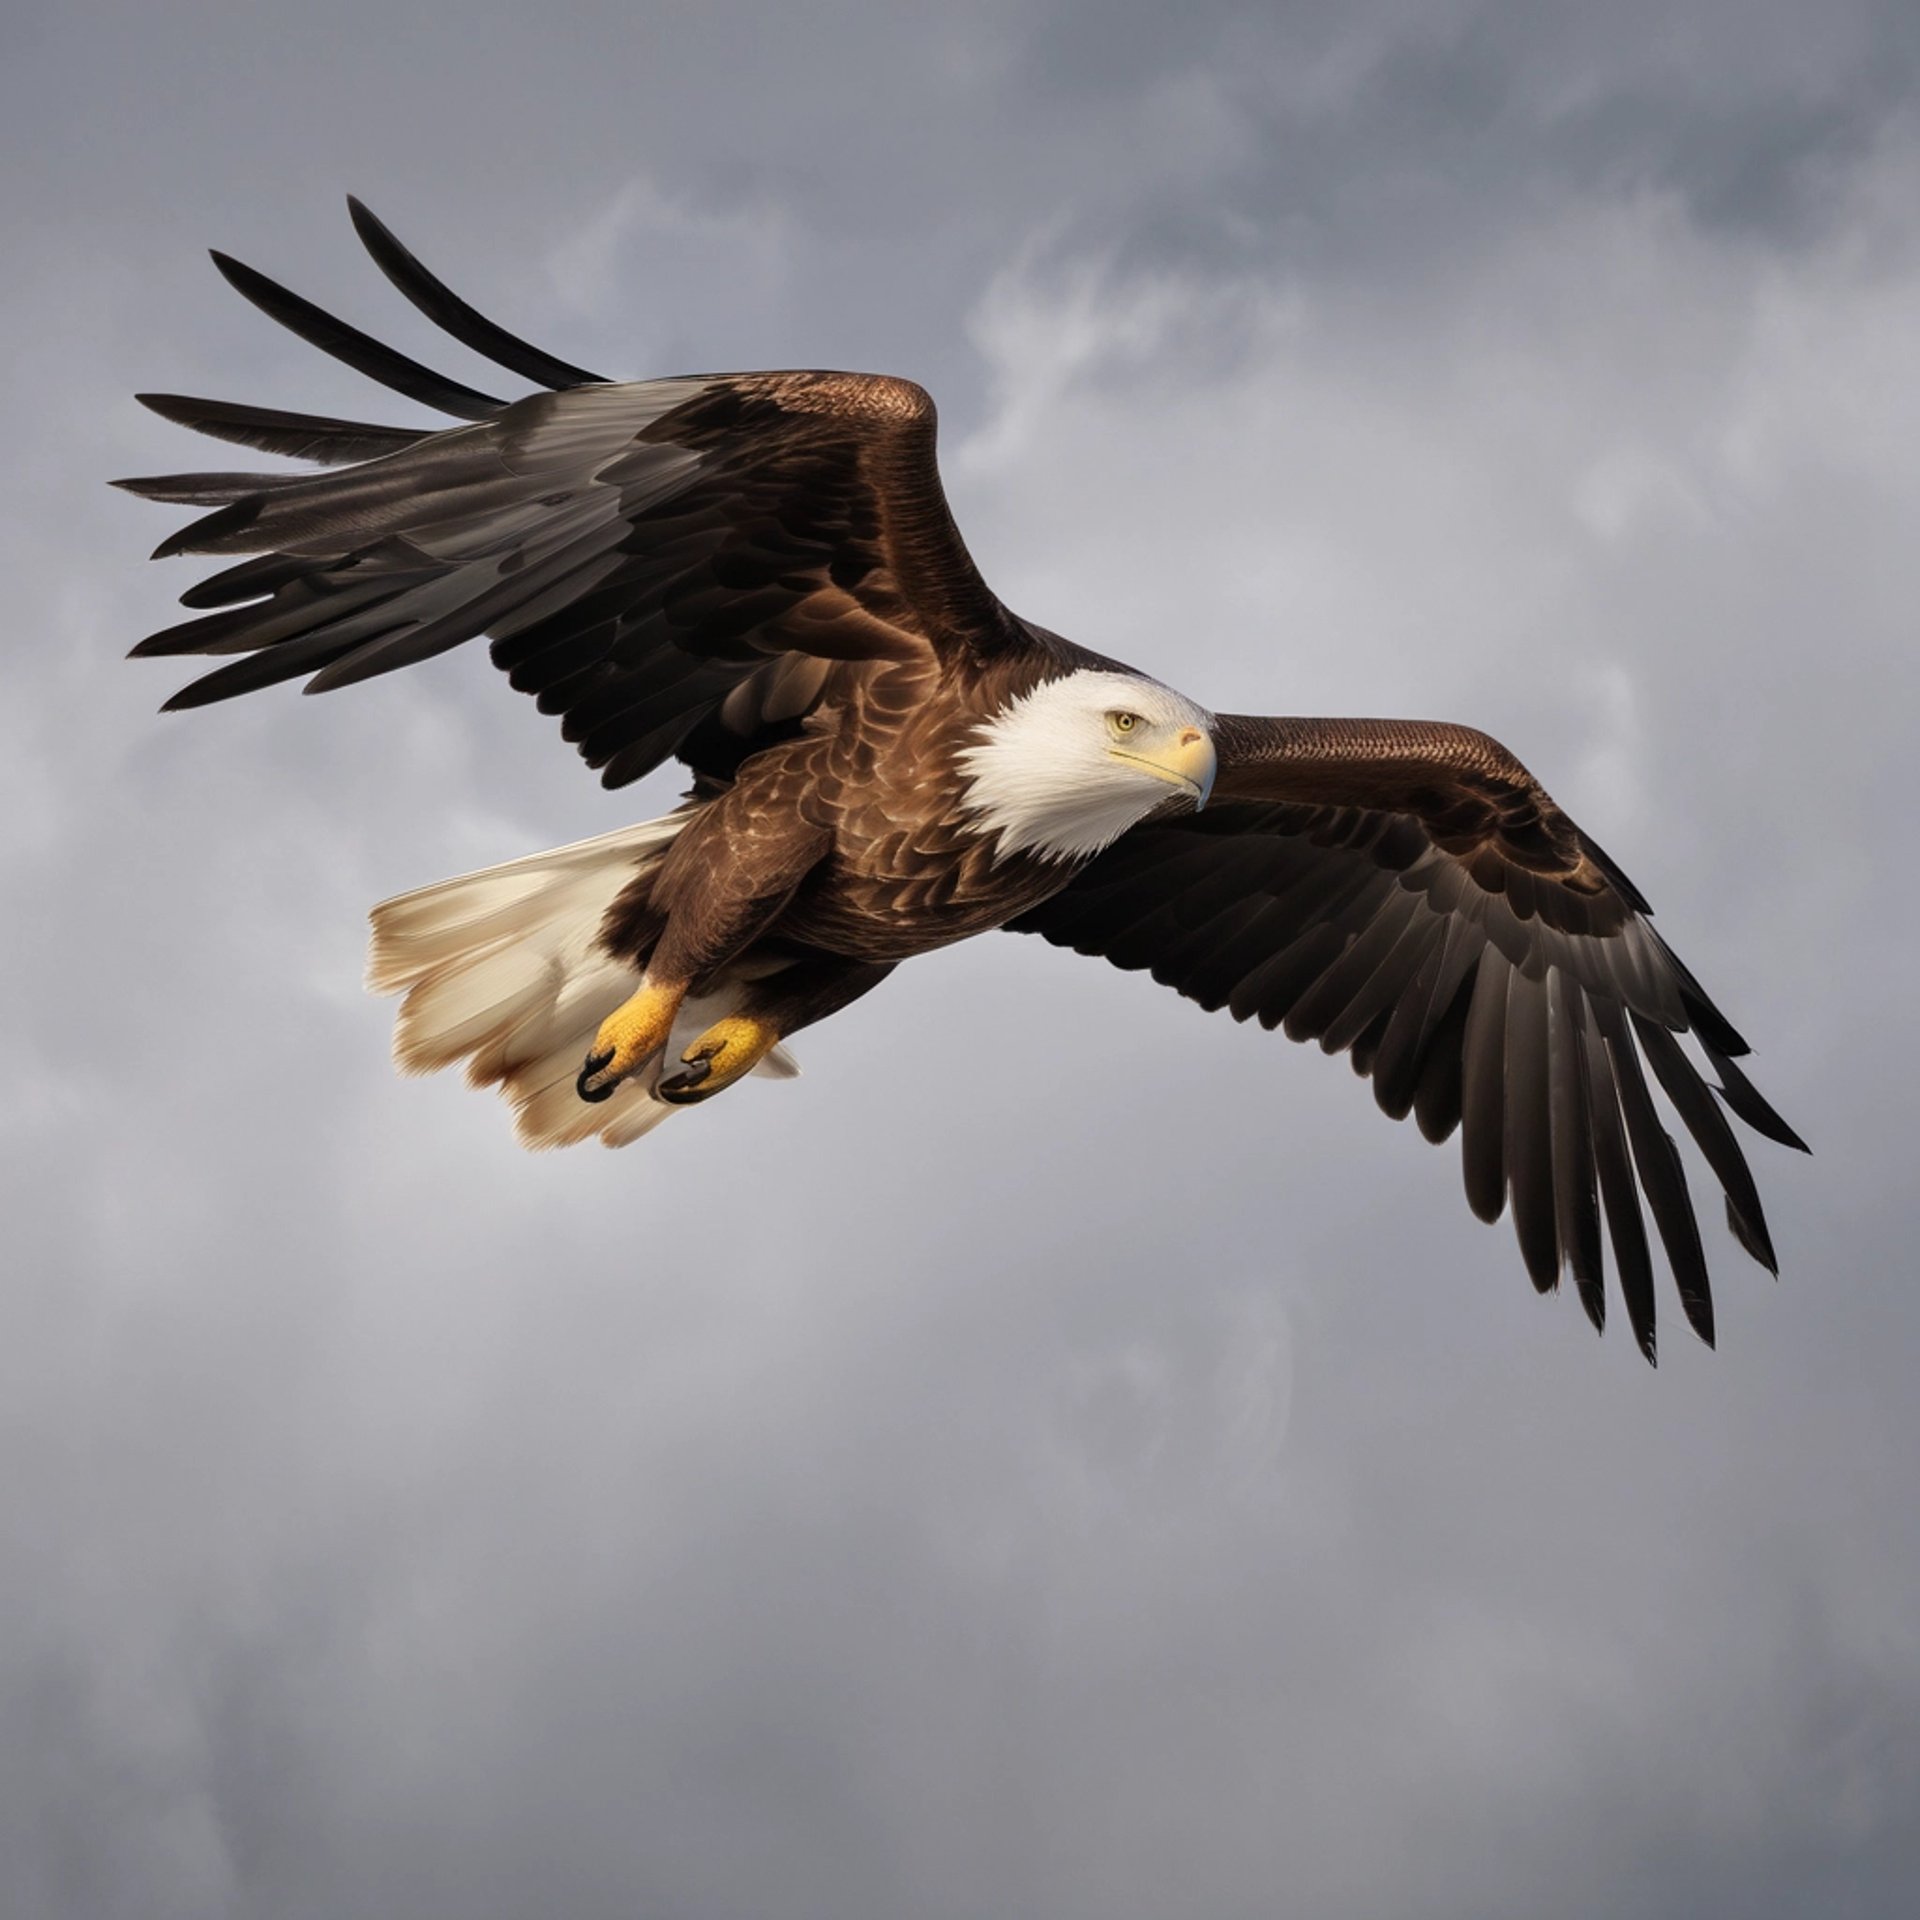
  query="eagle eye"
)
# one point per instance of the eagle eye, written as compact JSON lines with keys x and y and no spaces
{"x":1122,"y":721}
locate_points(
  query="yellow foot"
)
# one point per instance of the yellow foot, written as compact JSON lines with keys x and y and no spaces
{"x":628,"y":1038}
{"x":729,"y":1050}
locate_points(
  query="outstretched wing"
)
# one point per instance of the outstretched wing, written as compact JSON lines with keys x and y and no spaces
{"x":1407,"y":893}
{"x":672,"y":566}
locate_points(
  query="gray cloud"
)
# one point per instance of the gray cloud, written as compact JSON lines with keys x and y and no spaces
{"x":1065,"y":1455}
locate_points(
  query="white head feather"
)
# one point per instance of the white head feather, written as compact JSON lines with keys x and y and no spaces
{"x":1066,"y":769}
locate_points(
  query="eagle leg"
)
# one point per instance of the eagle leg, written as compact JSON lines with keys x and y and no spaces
{"x":629,"y":1037}
{"x":729,"y":1050}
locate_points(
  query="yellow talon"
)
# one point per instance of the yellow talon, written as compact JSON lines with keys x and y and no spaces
{"x":628,"y":1038}
{"x":729,"y":1050}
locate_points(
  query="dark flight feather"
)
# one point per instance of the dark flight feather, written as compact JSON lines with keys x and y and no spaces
{"x":204,"y":489}
{"x":453,"y":315}
{"x":358,"y":350}
{"x":1576,"y":1199}
{"x":1529,"y":1130}
{"x":1747,"y":1101}
{"x":1483,"y":1089}
{"x":299,"y":436}
{"x":1625,"y":1225}
{"x":1695,"y":1105}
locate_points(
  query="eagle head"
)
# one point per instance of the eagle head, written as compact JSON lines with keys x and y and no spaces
{"x":1067,"y":768}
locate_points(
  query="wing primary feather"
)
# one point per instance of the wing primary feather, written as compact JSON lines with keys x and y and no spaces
{"x":1482,"y":1094}
{"x":437,"y":633}
{"x":299,"y":610}
{"x":204,"y":489}
{"x":1747,"y":1100}
{"x":1625,"y":1225}
{"x":1706,"y":1020}
{"x":300,"y":436}
{"x":1762,"y":1251}
{"x":246,"y":580}
{"x":453,"y":315}
{"x":220,"y":525}
{"x":1529,"y":1129}
{"x":1657,"y":1160}
{"x":1708,"y":1125}
{"x":1576,"y":1203}
{"x":286,"y":661}
{"x":350,"y":628}
{"x":358,"y":350}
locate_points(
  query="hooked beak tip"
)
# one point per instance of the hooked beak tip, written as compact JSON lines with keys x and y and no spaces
{"x":1195,"y":738}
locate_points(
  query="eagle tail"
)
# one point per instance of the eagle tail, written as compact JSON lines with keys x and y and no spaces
{"x":503,"y":969}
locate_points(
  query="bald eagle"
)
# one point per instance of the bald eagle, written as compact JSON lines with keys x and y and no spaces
{"x":757,"y":575}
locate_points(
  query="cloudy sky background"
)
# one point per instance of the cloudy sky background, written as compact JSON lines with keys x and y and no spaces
{"x":1066,"y":1455}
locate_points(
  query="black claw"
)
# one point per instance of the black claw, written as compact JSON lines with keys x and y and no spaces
{"x":683,"y":1088}
{"x":595,"y":1063}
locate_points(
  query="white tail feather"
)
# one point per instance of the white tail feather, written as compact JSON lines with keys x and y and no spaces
{"x":502,"y":969}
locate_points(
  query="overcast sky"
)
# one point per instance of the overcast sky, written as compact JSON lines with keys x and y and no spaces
{"x":1065,"y":1455}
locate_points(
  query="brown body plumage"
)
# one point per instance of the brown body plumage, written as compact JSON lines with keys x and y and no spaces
{"x":858,"y":824}
{"x":758,"y":574}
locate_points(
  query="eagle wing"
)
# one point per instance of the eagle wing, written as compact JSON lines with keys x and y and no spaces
{"x":671,"y":567}
{"x":1407,"y":893}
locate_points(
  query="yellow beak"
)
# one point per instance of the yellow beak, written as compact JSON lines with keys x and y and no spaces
{"x":1190,"y":764}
